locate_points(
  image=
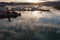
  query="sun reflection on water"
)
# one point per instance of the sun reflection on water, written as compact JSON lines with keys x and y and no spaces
{"x":37,"y":14}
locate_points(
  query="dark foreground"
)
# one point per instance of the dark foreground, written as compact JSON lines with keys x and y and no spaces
{"x":39,"y":33}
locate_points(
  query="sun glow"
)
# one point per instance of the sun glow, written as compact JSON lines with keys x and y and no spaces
{"x":36,"y":14}
{"x":34,"y":1}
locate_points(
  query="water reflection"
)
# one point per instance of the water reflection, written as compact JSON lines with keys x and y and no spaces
{"x":32,"y":25}
{"x":32,"y":18}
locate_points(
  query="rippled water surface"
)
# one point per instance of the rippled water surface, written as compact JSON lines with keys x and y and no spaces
{"x":33,"y":18}
{"x":32,"y":25}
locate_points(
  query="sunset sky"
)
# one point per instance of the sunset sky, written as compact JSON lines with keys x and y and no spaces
{"x":26,"y":0}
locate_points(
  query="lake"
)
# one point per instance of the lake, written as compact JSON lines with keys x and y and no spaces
{"x":32,"y":25}
{"x":32,"y":18}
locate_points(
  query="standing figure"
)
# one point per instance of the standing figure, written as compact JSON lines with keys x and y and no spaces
{"x":7,"y":11}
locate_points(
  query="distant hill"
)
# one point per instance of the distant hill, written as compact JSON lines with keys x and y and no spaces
{"x":48,"y":3}
{"x":55,"y":4}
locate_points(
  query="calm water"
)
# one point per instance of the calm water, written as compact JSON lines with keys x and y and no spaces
{"x":32,"y":25}
{"x":33,"y":18}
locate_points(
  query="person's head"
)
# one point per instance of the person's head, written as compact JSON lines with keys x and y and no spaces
{"x":7,"y":8}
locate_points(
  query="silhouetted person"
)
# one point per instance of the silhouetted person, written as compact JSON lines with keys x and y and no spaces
{"x":7,"y":10}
